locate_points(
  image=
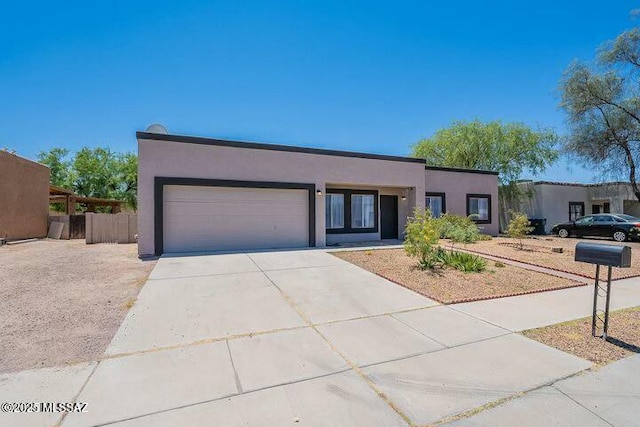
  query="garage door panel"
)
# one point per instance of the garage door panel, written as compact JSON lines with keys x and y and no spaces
{"x":221,"y":218}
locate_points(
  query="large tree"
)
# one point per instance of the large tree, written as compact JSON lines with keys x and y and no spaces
{"x":58,"y":161}
{"x":95,"y":172}
{"x":507,"y":148}
{"x":602,"y":102}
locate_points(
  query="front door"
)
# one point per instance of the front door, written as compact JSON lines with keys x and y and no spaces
{"x":388,"y":217}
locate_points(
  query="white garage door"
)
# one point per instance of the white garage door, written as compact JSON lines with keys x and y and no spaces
{"x":223,"y":218}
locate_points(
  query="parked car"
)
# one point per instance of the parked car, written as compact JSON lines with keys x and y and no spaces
{"x":618,"y":226}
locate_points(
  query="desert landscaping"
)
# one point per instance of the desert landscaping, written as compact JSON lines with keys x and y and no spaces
{"x":450,"y":286}
{"x":61,"y":301}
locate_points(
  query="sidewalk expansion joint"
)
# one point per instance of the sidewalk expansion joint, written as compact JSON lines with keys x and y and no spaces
{"x":350,"y":363}
{"x":235,"y":372}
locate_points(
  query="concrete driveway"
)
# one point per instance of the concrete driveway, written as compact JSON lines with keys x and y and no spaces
{"x":298,"y":337}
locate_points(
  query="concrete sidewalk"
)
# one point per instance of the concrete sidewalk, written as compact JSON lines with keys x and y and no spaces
{"x":293,"y":337}
{"x":548,"y":308}
{"x":607,"y":397}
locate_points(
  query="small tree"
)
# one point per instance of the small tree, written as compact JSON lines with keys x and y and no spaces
{"x":421,"y":237}
{"x":519,"y":227}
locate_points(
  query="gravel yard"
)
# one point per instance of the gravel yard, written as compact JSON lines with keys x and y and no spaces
{"x":450,"y":286}
{"x":61,"y":301}
{"x":575,"y":337}
{"x":538,"y":251}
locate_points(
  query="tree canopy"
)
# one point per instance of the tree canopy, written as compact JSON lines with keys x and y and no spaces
{"x":94,"y":172}
{"x":507,"y":148}
{"x":602,"y":102}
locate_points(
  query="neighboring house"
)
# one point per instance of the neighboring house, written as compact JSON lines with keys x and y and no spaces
{"x":558,"y":202}
{"x":199,"y":194}
{"x":24,"y":197}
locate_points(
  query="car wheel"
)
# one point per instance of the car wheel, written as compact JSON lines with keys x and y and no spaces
{"x":563,"y":232}
{"x":620,"y":236}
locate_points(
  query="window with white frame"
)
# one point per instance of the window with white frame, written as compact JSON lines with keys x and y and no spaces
{"x":362,"y":211}
{"x":334,"y":211}
{"x":479,"y":208}
{"x":435,"y":203}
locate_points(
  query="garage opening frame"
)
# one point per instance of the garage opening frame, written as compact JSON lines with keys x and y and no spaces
{"x":161,"y":181}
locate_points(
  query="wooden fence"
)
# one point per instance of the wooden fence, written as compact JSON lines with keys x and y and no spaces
{"x":111,"y":228}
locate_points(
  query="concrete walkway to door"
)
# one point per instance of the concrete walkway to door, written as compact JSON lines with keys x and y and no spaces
{"x":296,"y":337}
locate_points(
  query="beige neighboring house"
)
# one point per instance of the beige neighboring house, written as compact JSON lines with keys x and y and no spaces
{"x":24,"y":197}
{"x":200,"y":194}
{"x":558,"y":202}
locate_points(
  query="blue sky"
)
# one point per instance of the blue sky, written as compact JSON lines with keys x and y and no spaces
{"x":363,"y":76}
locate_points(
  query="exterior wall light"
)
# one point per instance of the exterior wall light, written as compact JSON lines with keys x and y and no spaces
{"x":319,"y":192}
{"x":404,"y":198}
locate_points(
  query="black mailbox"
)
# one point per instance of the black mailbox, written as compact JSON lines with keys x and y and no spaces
{"x":609,"y":255}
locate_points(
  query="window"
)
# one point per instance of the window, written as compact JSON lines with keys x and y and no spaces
{"x":351,"y":211}
{"x":576,"y":210}
{"x":362,"y":211}
{"x":436,"y":204}
{"x":479,"y":208}
{"x":334,"y":211}
{"x":585,"y":220}
{"x":606,"y":207}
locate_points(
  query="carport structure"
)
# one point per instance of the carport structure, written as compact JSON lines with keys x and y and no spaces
{"x":70,"y":199}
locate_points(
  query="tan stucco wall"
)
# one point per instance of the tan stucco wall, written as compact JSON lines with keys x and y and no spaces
{"x":173,"y":159}
{"x":24,"y":197}
{"x":457,"y":185}
{"x":556,"y":200}
{"x":619,"y":196}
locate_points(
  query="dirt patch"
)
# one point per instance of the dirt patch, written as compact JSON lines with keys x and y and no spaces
{"x":451,"y":286}
{"x":61,"y":301}
{"x":538,"y":251}
{"x":575,"y":337}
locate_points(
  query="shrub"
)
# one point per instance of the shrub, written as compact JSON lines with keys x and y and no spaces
{"x":421,"y":237}
{"x":466,"y":262}
{"x":459,"y":229}
{"x":519,"y":227}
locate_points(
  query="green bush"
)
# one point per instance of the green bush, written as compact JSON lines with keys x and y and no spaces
{"x":519,"y":227}
{"x":466,"y":262}
{"x":421,"y":238}
{"x":459,"y":229}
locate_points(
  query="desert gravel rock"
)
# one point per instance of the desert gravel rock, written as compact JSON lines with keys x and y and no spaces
{"x":61,"y":301}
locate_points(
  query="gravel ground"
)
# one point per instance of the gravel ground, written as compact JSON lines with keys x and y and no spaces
{"x":575,"y":337}
{"x":449,"y":286}
{"x":61,"y":301}
{"x":538,"y":251}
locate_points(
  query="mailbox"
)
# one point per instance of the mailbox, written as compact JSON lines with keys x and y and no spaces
{"x":602,"y":255}
{"x":609,"y":255}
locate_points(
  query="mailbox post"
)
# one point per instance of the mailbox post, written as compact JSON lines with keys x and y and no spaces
{"x":602,"y":255}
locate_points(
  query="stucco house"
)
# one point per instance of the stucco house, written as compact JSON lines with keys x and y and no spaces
{"x":201,"y":194}
{"x":24,"y":197}
{"x":564,"y":201}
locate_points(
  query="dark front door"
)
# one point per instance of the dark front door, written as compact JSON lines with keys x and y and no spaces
{"x":389,"y":217}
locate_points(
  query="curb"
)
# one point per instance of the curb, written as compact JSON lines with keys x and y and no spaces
{"x":575,"y":284}
{"x":631,"y":276}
